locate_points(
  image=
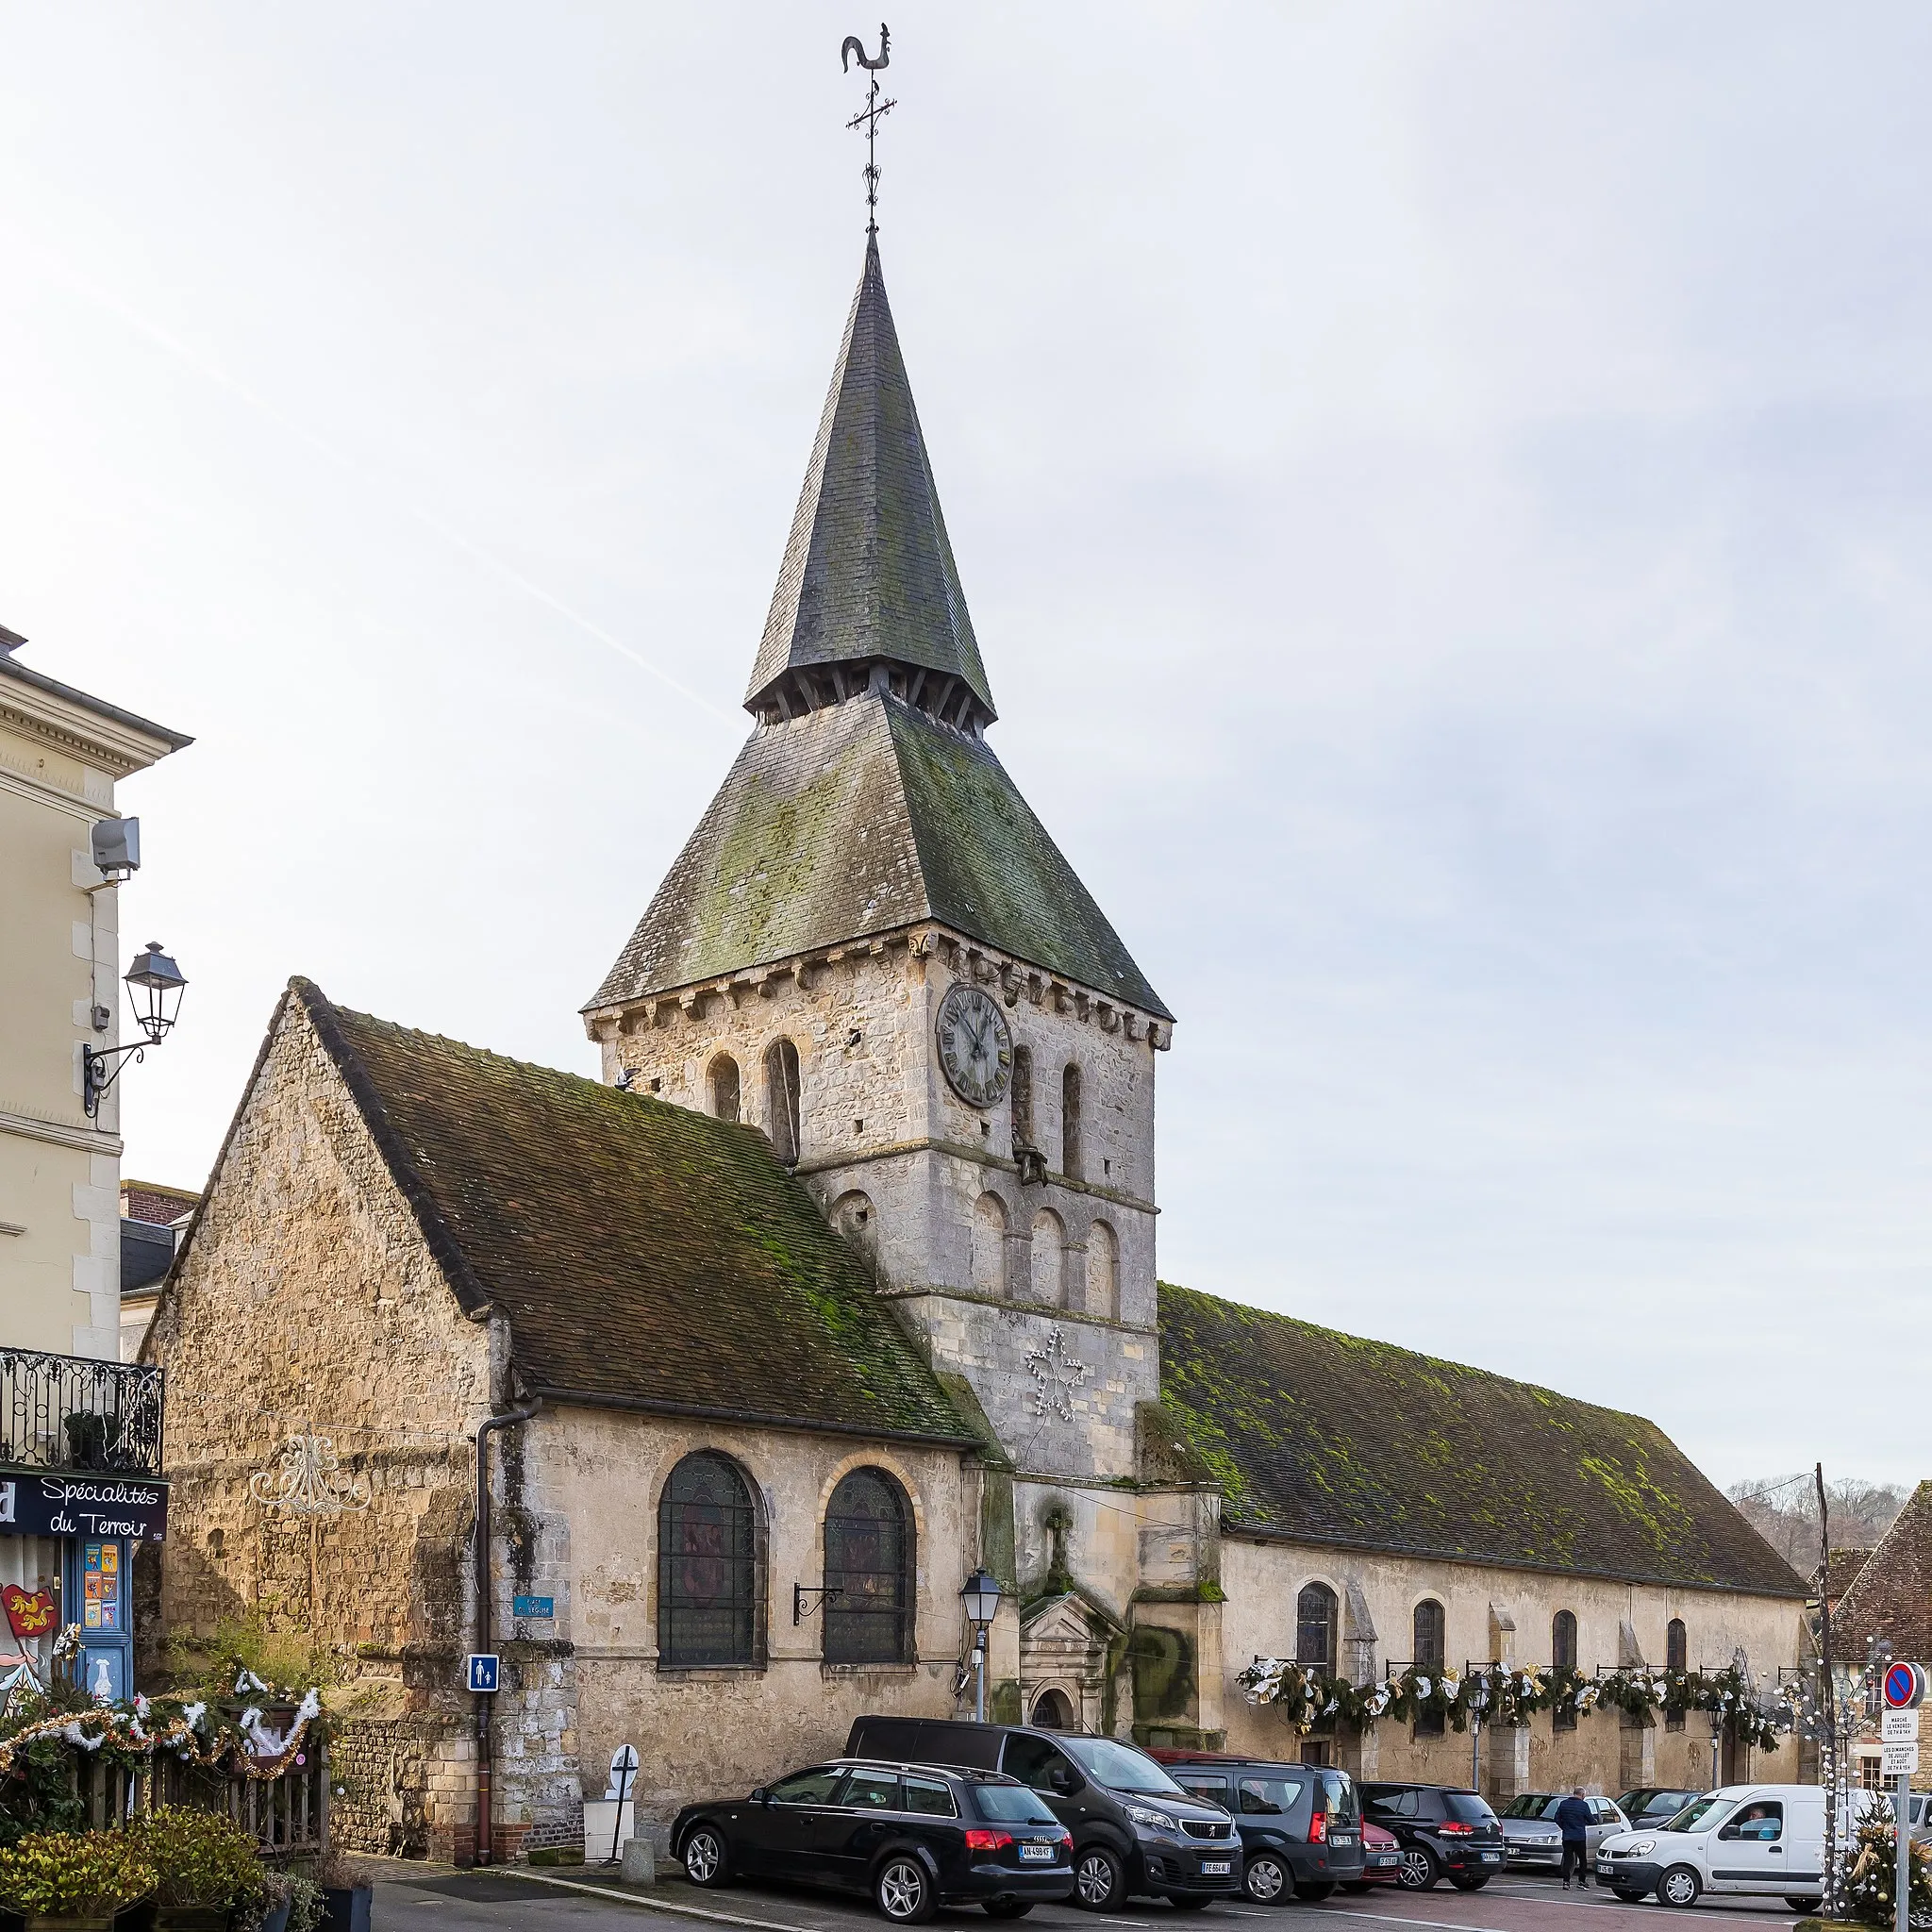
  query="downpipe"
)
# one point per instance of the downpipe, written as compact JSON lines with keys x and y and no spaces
{"x":485,"y":1429}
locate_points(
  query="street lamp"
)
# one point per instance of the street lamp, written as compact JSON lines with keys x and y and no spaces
{"x":981,"y":1595}
{"x":155,"y":985}
{"x":1479,"y":1702}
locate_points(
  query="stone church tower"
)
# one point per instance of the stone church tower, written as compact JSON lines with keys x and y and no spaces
{"x":872,"y":948}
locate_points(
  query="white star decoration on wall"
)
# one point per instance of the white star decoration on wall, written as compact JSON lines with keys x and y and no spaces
{"x":1055,"y":1376}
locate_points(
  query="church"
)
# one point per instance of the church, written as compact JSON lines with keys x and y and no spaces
{"x":697,"y":1391}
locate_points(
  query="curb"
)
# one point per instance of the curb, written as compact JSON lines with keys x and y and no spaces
{"x":647,"y":1902}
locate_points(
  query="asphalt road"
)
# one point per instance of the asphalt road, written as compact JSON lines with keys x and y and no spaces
{"x":461,"y":1901}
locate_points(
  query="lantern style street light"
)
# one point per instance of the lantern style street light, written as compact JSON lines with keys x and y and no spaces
{"x":155,"y":986}
{"x":981,"y":1596}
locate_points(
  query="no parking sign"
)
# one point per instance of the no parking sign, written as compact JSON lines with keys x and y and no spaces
{"x":1904,"y":1686}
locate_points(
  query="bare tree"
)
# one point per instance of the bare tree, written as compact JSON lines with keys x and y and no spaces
{"x":1784,"y":1511}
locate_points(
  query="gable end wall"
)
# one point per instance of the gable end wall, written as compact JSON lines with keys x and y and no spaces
{"x":306,"y":1298}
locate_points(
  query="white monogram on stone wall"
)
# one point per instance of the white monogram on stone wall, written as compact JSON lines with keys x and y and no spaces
{"x":1055,"y":1376}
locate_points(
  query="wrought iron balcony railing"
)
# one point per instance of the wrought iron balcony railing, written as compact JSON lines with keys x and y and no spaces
{"x":70,"y":1411}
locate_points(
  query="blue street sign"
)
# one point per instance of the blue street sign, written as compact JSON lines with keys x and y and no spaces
{"x":482,"y":1670}
{"x":533,"y":1606}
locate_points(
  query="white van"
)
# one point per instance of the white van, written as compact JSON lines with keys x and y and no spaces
{"x":1745,"y":1839}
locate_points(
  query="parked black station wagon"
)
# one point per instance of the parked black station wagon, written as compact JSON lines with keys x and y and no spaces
{"x":1443,"y":1832}
{"x":913,"y":1835}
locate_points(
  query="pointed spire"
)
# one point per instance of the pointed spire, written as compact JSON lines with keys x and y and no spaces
{"x":869,"y":590}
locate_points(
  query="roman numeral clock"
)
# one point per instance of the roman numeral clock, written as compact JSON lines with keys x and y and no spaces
{"x":975,"y":1045}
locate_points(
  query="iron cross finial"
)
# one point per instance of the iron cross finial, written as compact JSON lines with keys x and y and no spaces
{"x":870,"y":115}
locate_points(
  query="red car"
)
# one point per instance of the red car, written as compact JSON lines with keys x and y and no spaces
{"x":1381,"y":1859}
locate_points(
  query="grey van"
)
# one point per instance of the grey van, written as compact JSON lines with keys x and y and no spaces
{"x":1136,"y":1832}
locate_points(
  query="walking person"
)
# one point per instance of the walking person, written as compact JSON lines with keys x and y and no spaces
{"x":1574,"y":1822}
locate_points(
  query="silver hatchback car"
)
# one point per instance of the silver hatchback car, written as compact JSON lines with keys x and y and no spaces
{"x":1531,"y":1839}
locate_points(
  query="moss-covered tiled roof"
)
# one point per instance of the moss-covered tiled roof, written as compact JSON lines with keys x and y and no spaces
{"x":1329,"y":1437}
{"x":858,"y":819}
{"x":641,"y":1255}
{"x":869,"y":571}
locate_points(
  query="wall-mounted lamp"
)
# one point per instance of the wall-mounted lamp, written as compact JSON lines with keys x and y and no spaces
{"x":155,"y":985}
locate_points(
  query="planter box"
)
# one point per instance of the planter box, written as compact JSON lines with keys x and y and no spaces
{"x":345,"y":1908}
{"x":190,"y":1919}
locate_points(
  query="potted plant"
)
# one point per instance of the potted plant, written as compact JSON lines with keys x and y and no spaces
{"x":205,"y":1868}
{"x":61,"y":1881}
{"x":344,"y":1896}
{"x":270,"y":1913}
{"x":306,"y":1906}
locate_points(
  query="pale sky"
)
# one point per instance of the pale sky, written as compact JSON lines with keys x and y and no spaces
{"x":1442,"y":492}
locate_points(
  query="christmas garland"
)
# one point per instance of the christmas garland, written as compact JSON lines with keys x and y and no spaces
{"x":129,"y":1733}
{"x":1498,"y":1694}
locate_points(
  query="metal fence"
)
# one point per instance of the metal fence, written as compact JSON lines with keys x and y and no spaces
{"x":72,"y":1412}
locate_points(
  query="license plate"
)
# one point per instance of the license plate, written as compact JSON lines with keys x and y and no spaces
{"x":1493,"y":1858}
{"x":1044,"y":1852}
{"x":1342,"y":1838}
{"x":1216,"y":1868}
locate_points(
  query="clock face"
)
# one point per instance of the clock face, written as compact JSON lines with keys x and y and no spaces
{"x":975,"y":1045}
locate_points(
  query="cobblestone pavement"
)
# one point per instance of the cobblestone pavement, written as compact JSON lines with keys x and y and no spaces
{"x":415,"y":1899}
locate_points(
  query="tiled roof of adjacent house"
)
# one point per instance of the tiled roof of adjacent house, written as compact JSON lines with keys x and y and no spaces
{"x":868,"y":572}
{"x":1891,"y":1595}
{"x":642,"y":1254}
{"x":858,"y":819}
{"x":1331,"y":1439}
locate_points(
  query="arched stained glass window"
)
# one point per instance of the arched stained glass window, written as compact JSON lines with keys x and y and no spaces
{"x":1431,"y":1652}
{"x":1563,"y":1656}
{"x":868,"y":1572}
{"x":708,"y":1565}
{"x":1563,"y":1639}
{"x":1314,"y":1626}
{"x":1431,"y":1634}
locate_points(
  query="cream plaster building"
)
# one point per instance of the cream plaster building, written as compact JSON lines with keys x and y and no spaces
{"x":842,"y":1282}
{"x":62,"y":754}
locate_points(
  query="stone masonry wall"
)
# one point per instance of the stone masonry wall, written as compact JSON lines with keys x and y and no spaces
{"x":986,"y":1263}
{"x":307,"y":1300}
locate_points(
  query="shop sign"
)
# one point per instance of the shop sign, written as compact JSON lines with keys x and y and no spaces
{"x":37,"y":1503}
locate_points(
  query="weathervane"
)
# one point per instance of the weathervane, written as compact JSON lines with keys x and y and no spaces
{"x":870,"y":115}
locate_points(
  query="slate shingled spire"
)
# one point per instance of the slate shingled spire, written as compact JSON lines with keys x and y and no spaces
{"x":868,"y":800}
{"x":869,"y":578}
